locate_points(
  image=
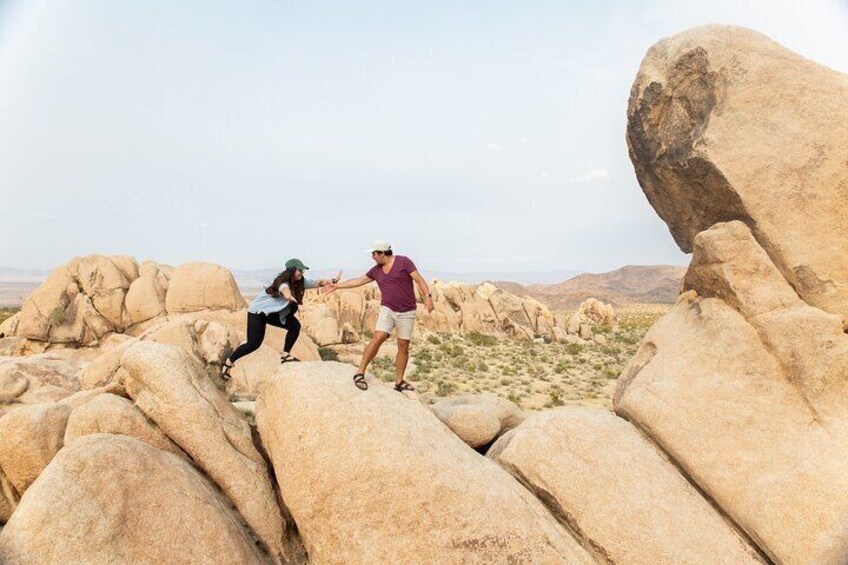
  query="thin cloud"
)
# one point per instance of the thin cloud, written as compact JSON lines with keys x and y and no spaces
{"x":595,"y":175}
{"x":42,"y":216}
{"x":494,"y":146}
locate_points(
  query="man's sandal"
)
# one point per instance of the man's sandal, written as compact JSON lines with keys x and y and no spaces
{"x":403,"y":385}
{"x":226,"y":367}
{"x":288,"y":357}
{"x":359,"y":381}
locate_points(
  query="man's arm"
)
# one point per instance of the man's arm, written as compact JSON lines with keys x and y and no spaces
{"x":425,"y":290}
{"x":321,"y":283}
{"x":352,"y":283}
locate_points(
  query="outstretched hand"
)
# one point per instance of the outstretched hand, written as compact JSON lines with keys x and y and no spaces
{"x":328,"y":288}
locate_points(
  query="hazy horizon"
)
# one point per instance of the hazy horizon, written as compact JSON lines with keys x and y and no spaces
{"x":476,"y":137}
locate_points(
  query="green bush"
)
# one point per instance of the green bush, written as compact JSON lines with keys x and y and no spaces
{"x":444,"y":388}
{"x":434,"y":339}
{"x":328,"y":354}
{"x":573,"y":348}
{"x":481,"y":340}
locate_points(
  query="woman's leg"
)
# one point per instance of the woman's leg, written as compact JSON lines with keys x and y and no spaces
{"x":255,"y":335}
{"x":292,"y":326}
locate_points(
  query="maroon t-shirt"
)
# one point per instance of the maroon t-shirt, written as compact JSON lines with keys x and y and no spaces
{"x":396,"y":287}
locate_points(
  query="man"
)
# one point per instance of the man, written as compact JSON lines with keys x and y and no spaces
{"x":394,"y":275}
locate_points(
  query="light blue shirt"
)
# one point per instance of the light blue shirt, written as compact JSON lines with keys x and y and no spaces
{"x":264,"y":303}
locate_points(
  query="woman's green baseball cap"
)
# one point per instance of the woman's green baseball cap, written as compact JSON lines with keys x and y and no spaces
{"x":296,"y":264}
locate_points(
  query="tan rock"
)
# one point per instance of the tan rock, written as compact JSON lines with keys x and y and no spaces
{"x":595,"y":312}
{"x":113,"y":499}
{"x":29,"y":438}
{"x":744,"y":386}
{"x":719,"y":129}
{"x":103,"y":370}
{"x":46,"y":306}
{"x":202,"y":286}
{"x":173,"y":391}
{"x":111,"y":414}
{"x":602,"y":478}
{"x":34,"y":379}
{"x":9,"y":326}
{"x":13,"y":346}
{"x":381,"y":445}
{"x":145,"y":300}
{"x":478,"y":419}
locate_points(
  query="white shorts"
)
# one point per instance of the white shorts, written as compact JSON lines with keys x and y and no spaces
{"x":403,"y":321}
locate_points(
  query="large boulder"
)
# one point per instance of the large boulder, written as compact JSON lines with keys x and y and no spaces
{"x":34,"y":379}
{"x":202,"y":286}
{"x":383,"y":481}
{"x":173,"y":390}
{"x":112,"y":414}
{"x":745,"y":386}
{"x":478,"y":419}
{"x":30,"y":436}
{"x":113,"y":499}
{"x":598,"y":474}
{"x":725,"y":124}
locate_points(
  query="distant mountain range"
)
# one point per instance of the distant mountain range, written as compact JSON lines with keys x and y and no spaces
{"x":645,"y":284}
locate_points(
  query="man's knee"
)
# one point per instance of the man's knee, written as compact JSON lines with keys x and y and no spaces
{"x":403,"y":345}
{"x":379,"y":338}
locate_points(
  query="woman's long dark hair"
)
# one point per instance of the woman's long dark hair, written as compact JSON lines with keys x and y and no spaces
{"x":297,"y":287}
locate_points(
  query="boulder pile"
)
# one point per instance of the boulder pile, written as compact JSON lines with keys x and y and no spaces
{"x":345,"y":317}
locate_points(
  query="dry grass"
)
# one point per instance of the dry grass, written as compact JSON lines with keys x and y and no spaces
{"x":535,"y":375}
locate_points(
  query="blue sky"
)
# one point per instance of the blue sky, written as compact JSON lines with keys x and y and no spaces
{"x":476,"y":136}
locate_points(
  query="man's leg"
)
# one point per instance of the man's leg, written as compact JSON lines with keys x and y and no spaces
{"x":371,"y":351}
{"x":402,"y":358}
{"x":405,"y":325}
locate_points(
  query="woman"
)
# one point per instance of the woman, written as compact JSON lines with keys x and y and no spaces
{"x":276,"y":306}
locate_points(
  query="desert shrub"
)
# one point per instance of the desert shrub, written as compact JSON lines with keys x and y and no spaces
{"x":434,"y":339}
{"x":482,"y":367}
{"x":444,"y":388}
{"x":481,"y":340}
{"x":555,"y":395}
{"x":561,"y":367}
{"x":328,"y":354}
{"x":628,"y":339}
{"x":573,"y":348}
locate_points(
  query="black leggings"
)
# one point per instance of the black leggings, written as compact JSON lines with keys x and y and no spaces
{"x":256,"y":332}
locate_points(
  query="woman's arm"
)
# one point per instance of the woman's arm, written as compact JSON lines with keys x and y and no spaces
{"x":352,"y":283}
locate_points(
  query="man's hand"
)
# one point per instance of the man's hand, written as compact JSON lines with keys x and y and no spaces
{"x":328,"y":288}
{"x":428,"y":304}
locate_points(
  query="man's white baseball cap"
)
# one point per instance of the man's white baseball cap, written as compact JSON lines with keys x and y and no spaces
{"x":379,"y":245}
